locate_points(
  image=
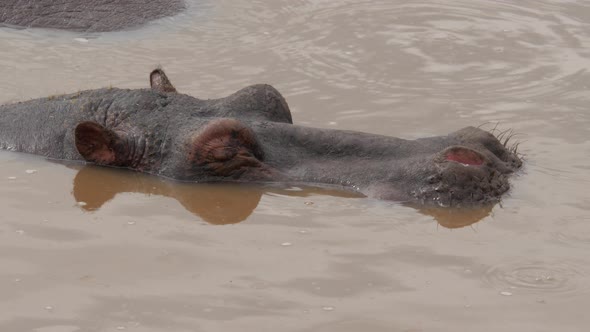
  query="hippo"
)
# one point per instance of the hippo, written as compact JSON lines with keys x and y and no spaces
{"x":249,"y":136}
{"x":85,"y":15}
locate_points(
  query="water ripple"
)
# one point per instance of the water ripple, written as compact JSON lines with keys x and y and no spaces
{"x":350,"y":54}
{"x":538,"y":277}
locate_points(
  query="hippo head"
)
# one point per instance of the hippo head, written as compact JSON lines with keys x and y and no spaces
{"x":249,"y":136}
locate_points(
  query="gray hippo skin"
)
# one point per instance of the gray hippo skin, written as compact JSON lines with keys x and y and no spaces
{"x":249,"y":136}
{"x":85,"y":15}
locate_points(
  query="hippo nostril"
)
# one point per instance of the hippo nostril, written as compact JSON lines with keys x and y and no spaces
{"x":464,"y":156}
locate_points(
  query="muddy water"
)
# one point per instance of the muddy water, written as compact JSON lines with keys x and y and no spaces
{"x":143,"y":254}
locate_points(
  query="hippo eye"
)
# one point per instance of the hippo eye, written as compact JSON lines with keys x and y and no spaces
{"x":226,"y":147}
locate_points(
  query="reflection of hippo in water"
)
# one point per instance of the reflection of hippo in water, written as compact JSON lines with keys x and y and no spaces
{"x":224,"y":204}
{"x":248,"y":136}
{"x":215,"y":203}
{"x":85,"y":15}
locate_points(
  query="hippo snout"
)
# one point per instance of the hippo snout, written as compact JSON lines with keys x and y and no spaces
{"x":463,"y":176}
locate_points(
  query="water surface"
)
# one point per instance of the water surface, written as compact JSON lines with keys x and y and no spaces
{"x":88,"y":249}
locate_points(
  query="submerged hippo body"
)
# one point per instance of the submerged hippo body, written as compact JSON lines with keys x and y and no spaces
{"x":85,"y":15}
{"x":249,"y":136}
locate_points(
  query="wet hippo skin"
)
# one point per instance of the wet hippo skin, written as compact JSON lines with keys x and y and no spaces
{"x":86,"y":15}
{"x":249,"y":137}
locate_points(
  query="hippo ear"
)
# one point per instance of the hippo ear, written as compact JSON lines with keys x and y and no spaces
{"x":462,"y":155}
{"x":160,"y":82}
{"x":99,"y":145}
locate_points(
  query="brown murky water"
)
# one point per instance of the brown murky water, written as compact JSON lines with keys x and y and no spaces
{"x":144,"y":254}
